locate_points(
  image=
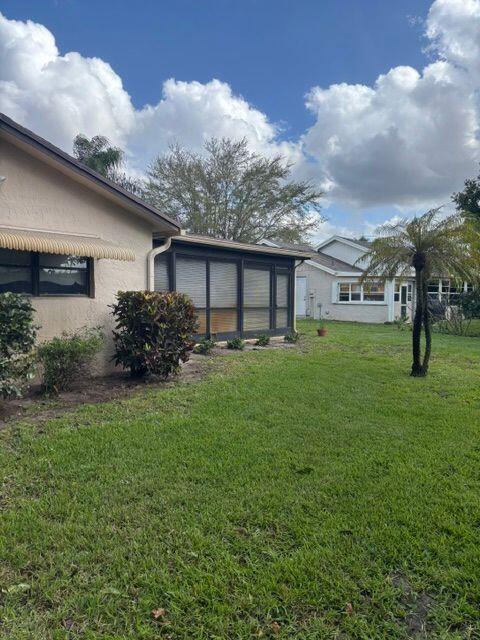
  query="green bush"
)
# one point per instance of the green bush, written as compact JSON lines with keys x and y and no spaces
{"x":291,"y":337}
{"x":263,"y":340}
{"x":68,"y":357}
{"x":17,"y":338}
{"x":469,"y":304}
{"x":236,"y":344}
{"x":153,"y":331}
{"x":205,"y":346}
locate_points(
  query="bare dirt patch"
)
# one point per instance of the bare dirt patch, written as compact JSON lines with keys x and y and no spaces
{"x":417,"y":605}
{"x":36,"y":407}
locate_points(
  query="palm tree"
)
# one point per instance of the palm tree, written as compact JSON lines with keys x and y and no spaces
{"x":430,"y":245}
{"x":98,"y":154}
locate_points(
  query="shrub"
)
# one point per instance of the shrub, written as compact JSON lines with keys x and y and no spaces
{"x":402,"y":323}
{"x":153,"y":331}
{"x":457,"y":317}
{"x":17,"y":338}
{"x":263,"y":340}
{"x":205,"y":346}
{"x":68,"y":357}
{"x":469,"y":303}
{"x":236,"y":343}
{"x":291,"y":337}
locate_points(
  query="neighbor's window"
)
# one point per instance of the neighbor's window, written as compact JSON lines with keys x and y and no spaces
{"x":433,"y":289}
{"x":396,"y":296}
{"x":44,"y":274}
{"x":398,"y":285}
{"x":353,"y":292}
{"x":350,"y":292}
{"x":374,"y":292}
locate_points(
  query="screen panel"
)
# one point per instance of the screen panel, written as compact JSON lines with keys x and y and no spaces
{"x":256,"y":299}
{"x":161,"y":273}
{"x":191,"y":279}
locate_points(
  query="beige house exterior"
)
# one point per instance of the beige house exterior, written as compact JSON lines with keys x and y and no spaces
{"x":71,"y":239}
{"x":45,"y":197}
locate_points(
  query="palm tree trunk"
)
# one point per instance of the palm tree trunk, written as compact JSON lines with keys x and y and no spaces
{"x":428,"y":330}
{"x":417,"y":369}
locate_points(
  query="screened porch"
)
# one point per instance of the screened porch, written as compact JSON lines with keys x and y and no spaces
{"x":234,"y":292}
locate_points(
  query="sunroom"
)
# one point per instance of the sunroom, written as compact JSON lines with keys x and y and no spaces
{"x":238,"y":289}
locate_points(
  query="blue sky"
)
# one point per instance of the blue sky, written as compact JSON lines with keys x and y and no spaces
{"x":270,"y":51}
{"x":268,"y":56}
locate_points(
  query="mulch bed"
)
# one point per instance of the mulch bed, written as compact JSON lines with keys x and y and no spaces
{"x":36,"y":407}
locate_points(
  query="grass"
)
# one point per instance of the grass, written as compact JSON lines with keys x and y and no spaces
{"x":308,"y":494}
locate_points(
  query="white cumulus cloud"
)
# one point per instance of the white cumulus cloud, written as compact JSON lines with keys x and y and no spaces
{"x":413,"y":137}
{"x":59,"y":96}
{"x":407,"y":141}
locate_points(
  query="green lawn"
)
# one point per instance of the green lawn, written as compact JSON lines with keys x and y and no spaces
{"x":311,"y":493}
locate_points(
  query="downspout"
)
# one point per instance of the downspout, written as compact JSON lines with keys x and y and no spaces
{"x":295,"y":293}
{"x":391,"y":300}
{"x":151,"y":262}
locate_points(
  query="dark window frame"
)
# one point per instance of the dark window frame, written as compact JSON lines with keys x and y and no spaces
{"x":35,"y":268}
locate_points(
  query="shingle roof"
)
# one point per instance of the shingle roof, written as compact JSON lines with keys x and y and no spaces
{"x":301,"y":246}
{"x":333,"y":263}
{"x":364,"y":243}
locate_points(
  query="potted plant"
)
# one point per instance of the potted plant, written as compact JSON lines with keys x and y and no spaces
{"x":322,"y":329}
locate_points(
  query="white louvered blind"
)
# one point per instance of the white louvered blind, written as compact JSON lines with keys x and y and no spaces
{"x":282,"y":318}
{"x":223,"y":285}
{"x":160,"y":273}
{"x":282,"y":290}
{"x":191,"y":278}
{"x":256,"y":299}
{"x":256,"y":319}
{"x":256,"y":288}
{"x":282,"y":300}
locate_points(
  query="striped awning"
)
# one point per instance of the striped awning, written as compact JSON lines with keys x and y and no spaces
{"x":62,"y":243}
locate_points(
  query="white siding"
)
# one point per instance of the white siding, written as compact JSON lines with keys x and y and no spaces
{"x":343,"y":252}
{"x":321,"y":290}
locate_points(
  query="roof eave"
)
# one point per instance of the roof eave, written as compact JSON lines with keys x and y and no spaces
{"x":25,"y":136}
{"x":240,"y":246}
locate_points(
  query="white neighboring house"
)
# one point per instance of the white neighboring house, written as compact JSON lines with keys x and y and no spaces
{"x":328,"y":285}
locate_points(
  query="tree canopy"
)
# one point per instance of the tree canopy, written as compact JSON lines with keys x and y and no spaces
{"x":230,"y":192}
{"x":468,"y":200}
{"x":98,"y":154}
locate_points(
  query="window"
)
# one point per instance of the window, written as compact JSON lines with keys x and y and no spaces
{"x":191,"y":279}
{"x":223,"y":297}
{"x":283,"y":282}
{"x":354,"y":292}
{"x":256,"y":299}
{"x":161,"y":279}
{"x":433,"y":289}
{"x":15,"y":271}
{"x":62,"y":275}
{"x":374,"y":292}
{"x":44,"y":274}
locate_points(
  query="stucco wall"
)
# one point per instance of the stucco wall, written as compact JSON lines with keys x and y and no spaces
{"x":319,"y":290}
{"x":38,"y":196}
